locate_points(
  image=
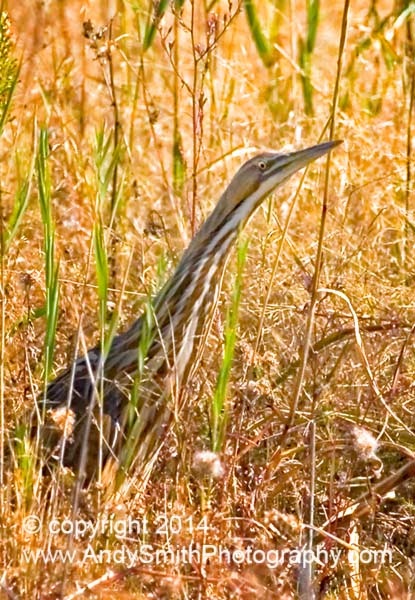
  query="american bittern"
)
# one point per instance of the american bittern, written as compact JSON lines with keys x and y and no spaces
{"x":115,"y":404}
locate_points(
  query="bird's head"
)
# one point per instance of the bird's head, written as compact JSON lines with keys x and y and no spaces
{"x":259,"y":177}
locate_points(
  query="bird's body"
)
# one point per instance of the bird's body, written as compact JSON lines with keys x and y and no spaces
{"x":123,"y":403}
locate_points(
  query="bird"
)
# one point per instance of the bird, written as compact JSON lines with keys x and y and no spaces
{"x":119,"y":403}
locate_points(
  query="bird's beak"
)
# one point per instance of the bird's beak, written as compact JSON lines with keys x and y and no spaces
{"x":287,"y":164}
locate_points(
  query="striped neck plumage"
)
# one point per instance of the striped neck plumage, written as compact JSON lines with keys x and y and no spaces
{"x":184,"y":307}
{"x":205,"y":255}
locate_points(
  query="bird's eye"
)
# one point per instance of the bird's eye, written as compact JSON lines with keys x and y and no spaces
{"x":262,"y":165}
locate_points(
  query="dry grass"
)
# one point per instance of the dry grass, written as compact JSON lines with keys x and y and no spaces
{"x":353,"y":426}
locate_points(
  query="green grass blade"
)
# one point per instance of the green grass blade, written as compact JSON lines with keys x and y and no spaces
{"x":51,"y":267}
{"x":313,"y":10}
{"x":305,"y":53}
{"x":305,"y":65}
{"x":179,"y":165}
{"x":101,"y":266}
{"x":151,"y":28}
{"x":5,"y":107}
{"x":105,"y":162}
{"x":21,"y":201}
{"x":9,"y":69}
{"x":148,"y":331}
{"x":278,"y":20}
{"x":260,"y":38}
{"x":52,"y":309}
{"x":25,"y":461}
{"x":219,"y":412}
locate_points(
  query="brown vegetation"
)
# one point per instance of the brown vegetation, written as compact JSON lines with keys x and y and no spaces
{"x":181,"y":108}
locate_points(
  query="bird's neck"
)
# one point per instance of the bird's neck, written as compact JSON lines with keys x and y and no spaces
{"x":196,"y":275}
{"x":197,"y":271}
{"x":184,"y":306}
{"x":183,"y":309}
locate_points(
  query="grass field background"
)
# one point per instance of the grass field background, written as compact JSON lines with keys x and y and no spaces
{"x":121,"y":124}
